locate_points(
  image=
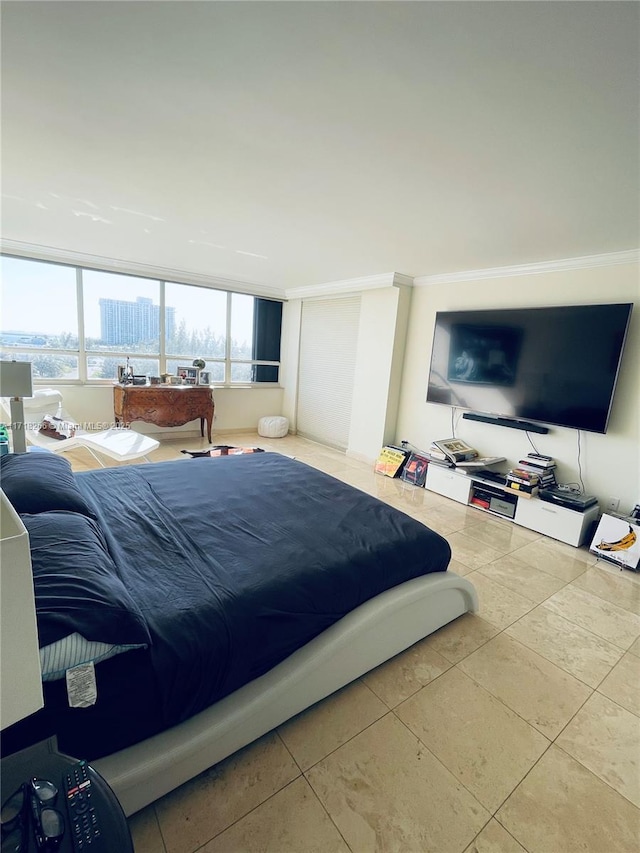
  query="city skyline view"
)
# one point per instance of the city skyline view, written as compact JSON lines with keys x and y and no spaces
{"x":42,"y":301}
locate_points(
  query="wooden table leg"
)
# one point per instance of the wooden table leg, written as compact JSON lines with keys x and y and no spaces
{"x":209,"y":420}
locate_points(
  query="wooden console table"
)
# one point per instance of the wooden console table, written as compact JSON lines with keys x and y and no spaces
{"x":164,"y":405}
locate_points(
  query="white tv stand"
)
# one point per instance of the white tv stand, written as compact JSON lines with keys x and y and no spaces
{"x":558,"y":522}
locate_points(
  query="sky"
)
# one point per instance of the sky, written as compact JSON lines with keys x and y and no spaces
{"x":40,"y":297}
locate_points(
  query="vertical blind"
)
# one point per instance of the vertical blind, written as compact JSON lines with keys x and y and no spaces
{"x":328,"y":345}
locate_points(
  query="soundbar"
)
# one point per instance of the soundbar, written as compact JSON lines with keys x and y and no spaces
{"x":514,"y":423}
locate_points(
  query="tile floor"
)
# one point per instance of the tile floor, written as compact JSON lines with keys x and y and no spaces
{"x":514,"y":729}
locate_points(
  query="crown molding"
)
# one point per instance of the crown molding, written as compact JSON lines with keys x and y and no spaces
{"x":80,"y":259}
{"x":586,"y":262}
{"x":350,"y":285}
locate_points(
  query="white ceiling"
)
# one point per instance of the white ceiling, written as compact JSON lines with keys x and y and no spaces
{"x":294,"y":143}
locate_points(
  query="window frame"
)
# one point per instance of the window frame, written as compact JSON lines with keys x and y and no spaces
{"x":82,"y":354}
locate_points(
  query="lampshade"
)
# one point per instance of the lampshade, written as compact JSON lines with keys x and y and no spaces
{"x":21,"y":682}
{"x":16,"y":383}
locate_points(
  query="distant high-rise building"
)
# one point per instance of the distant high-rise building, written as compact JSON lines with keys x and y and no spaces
{"x":123,"y":322}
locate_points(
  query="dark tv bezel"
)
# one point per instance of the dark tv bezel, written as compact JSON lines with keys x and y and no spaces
{"x":504,"y":418}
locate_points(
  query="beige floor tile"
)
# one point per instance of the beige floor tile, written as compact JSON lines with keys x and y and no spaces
{"x":471,"y":552}
{"x":414,"y":498}
{"x":403,"y":675}
{"x":486,"y":746}
{"x":145,"y":832}
{"x":544,"y":695}
{"x":523,"y":579}
{"x":459,"y":568}
{"x":445,"y":519}
{"x":623,"y":684}
{"x":384,"y":488}
{"x":332,"y":465}
{"x":567,"y":645}
{"x":292,"y":821}
{"x":316,"y":732}
{"x":461,"y":637}
{"x":635,"y":648}
{"x":494,"y":838}
{"x":208,"y":804}
{"x":619,"y":588}
{"x":359,"y":480}
{"x":545,"y":555}
{"x":561,"y":807}
{"x":385,"y":791}
{"x":503,"y":536}
{"x":607,"y":620}
{"x":606,"y":739}
{"x":498,"y":605}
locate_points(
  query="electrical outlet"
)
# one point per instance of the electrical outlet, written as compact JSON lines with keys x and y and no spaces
{"x":613,"y":504}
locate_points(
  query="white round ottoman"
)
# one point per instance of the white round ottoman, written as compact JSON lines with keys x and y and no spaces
{"x":273,"y":426}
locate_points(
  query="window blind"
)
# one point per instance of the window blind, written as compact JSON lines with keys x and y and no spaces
{"x":328,"y":345}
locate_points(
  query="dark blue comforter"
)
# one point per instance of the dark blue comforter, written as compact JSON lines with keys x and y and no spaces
{"x":236,"y":562}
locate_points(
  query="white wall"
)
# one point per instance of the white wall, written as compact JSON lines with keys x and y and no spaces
{"x":377,"y":380}
{"x":290,"y":359}
{"x":235,"y":409}
{"x":384,"y":312}
{"x":610,"y":463}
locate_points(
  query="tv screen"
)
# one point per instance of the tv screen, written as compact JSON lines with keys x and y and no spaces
{"x":556,"y":365}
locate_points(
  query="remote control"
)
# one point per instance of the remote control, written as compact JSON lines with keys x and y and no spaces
{"x":85,"y":828}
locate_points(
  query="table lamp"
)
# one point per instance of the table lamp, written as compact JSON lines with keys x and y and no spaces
{"x":16,"y":383}
{"x":21,"y":681}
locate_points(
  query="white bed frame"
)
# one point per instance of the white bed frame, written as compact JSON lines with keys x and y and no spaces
{"x":363,"y":639}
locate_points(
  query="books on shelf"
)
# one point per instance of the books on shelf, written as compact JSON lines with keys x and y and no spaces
{"x":522,"y":486}
{"x":524,"y":475}
{"x":391,"y":461}
{"x":434,"y":453}
{"x":540,"y":460}
{"x":546,"y":475}
{"x":480,"y":462}
{"x":454,"y":449}
{"x":522,"y":492}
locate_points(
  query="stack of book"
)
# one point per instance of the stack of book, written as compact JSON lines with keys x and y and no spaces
{"x":438,"y":457}
{"x":543,"y":466}
{"x":523,"y":482}
{"x":451,"y":451}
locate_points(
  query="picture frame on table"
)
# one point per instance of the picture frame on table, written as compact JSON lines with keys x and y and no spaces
{"x":204,"y":378}
{"x":189,"y":375}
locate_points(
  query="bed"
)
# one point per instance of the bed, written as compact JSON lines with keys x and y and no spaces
{"x":216,"y":598}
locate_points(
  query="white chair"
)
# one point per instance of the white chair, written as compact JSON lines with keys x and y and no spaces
{"x":119,"y":443}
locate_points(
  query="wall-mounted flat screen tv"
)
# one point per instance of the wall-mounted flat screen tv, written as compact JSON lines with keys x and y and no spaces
{"x":556,"y":365}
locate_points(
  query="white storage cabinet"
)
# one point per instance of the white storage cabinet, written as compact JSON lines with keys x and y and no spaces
{"x":558,"y":522}
{"x":449,"y":483}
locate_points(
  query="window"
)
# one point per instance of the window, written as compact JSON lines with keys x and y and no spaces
{"x":121,"y":319}
{"x":255,"y":329}
{"x":99,"y":319}
{"x":40,"y":317}
{"x":121,"y":313}
{"x":196,"y":327}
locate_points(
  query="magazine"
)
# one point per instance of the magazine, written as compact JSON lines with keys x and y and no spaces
{"x":415,"y":471}
{"x":391,"y":461}
{"x":456,"y":449}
